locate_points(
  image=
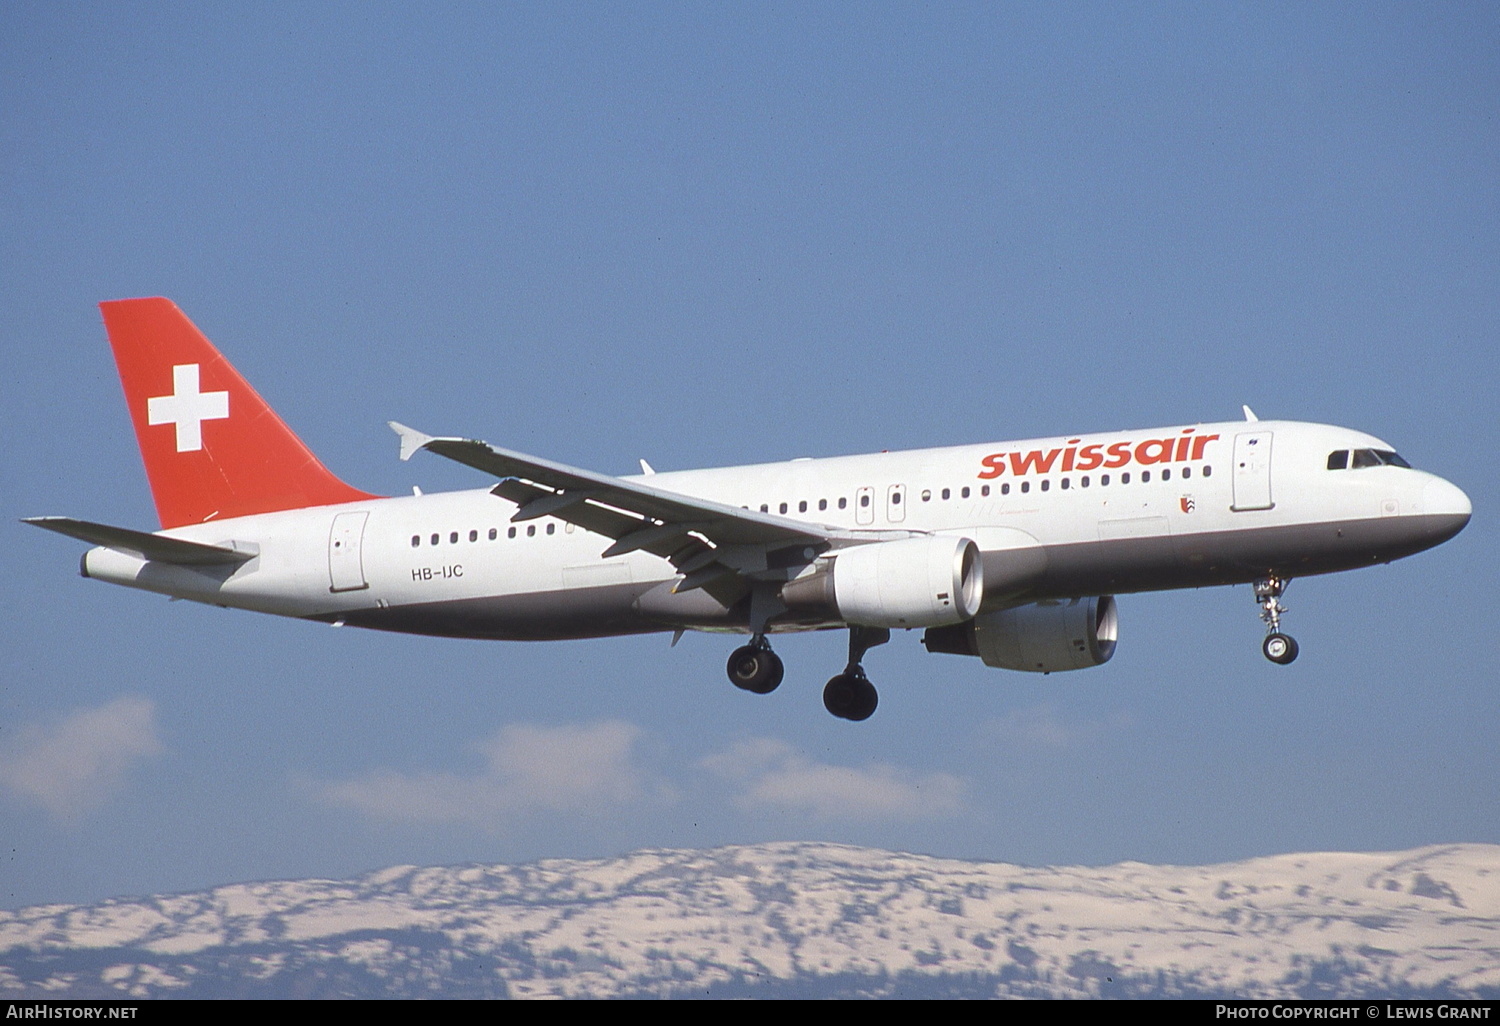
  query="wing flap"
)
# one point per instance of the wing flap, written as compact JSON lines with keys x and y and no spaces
{"x":601,"y":520}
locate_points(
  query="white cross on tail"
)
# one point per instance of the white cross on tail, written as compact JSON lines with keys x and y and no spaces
{"x":187,"y":407}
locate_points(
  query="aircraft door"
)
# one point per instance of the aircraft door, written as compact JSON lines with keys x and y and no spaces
{"x":895,"y":503}
{"x":1252,"y":471}
{"x":864,"y":506}
{"x":346,"y":568}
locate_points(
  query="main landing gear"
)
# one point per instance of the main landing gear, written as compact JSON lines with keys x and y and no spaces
{"x":850,"y":695}
{"x":1278,"y":647}
{"x":754,"y":667}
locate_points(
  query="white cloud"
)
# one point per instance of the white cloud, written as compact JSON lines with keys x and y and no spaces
{"x":585,"y":769}
{"x":1042,"y":726}
{"x":75,"y":766}
{"x":770,"y":774}
{"x":1036,"y":725}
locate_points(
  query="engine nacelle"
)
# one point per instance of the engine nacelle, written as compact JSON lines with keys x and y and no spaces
{"x":1057,"y":634}
{"x":915,"y":582}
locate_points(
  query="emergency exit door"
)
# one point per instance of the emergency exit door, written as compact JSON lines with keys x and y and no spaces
{"x":346,"y":568}
{"x":1252,"y":471}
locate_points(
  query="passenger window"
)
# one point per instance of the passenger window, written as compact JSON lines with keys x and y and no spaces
{"x":493,"y":534}
{"x":1338,"y":460}
{"x":895,"y":498}
{"x":984,"y":490}
{"x":802,"y":506}
{"x":1145,"y":477}
{"x":822,"y":504}
{"x":434,"y":539}
{"x":1046,"y":484}
{"x":551,"y":528}
{"x":1187,"y":472}
{"x":926,"y":494}
{"x":843,"y":502}
{"x":531,"y":530}
{"x":1004,"y":489}
{"x":1125,"y":478}
{"x":1103,"y":480}
{"x":946,"y":494}
{"x":864,"y":500}
{"x":1025,"y":486}
{"x":473,"y":536}
{"x":783,"y":507}
{"x":416,"y":540}
{"x":1208,"y":471}
{"x":1067,"y":483}
{"x":510,"y":533}
{"x":765,"y":507}
{"x":1083,"y":482}
{"x":965,"y":493}
{"x":1166,"y":475}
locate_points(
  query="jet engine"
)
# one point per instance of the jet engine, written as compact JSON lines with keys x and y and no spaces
{"x":915,"y":582}
{"x":1056,"y":634}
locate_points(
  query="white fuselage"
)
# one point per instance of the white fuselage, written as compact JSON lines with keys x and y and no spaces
{"x":1058,"y":517}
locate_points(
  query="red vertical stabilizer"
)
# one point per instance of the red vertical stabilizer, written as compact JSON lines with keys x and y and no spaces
{"x":212,"y":447}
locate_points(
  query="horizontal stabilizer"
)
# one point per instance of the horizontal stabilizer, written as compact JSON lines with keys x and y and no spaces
{"x":147,"y":546}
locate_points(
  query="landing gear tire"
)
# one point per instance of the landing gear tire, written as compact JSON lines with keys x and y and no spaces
{"x":755,"y":668}
{"x":851,"y":696}
{"x":1279,"y":648}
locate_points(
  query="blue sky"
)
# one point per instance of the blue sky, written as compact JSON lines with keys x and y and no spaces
{"x":716,"y":234}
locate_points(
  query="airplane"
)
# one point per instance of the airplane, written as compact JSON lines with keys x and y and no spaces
{"x":1009,"y":552}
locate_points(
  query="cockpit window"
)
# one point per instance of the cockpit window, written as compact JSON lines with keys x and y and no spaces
{"x":1374,"y":458}
{"x":1338,"y":460}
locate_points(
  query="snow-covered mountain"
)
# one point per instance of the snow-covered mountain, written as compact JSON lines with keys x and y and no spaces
{"x":794,"y":919}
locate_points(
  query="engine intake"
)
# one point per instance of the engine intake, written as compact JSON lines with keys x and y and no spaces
{"x":1057,"y":634}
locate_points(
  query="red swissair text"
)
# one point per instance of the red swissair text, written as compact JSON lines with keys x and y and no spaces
{"x":1093,"y":457}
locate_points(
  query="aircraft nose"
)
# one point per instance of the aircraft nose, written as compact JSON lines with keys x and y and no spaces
{"x":1443,"y":498}
{"x":1445,"y":508}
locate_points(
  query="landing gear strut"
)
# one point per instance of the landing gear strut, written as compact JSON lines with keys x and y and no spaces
{"x":1278,"y":647}
{"x":850,"y":695}
{"x":754,"y":667}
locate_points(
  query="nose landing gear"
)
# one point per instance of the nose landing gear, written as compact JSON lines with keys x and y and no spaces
{"x":1278,"y":647}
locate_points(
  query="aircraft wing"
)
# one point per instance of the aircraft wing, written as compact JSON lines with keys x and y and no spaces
{"x":637,"y":516}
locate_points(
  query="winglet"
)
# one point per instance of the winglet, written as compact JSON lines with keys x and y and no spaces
{"x":412,"y":440}
{"x":1249,"y":413}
